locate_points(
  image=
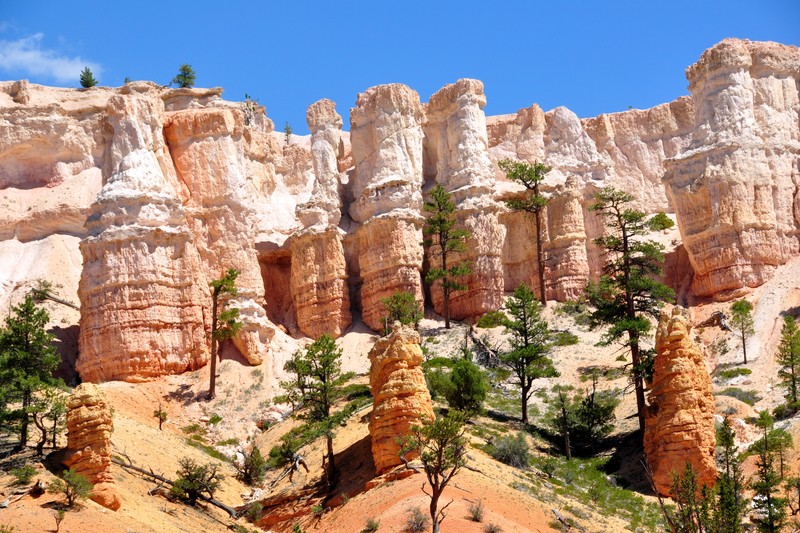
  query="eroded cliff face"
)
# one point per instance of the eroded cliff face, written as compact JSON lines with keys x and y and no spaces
{"x":168,"y":188}
{"x":735,"y":187}
{"x":679,"y":422}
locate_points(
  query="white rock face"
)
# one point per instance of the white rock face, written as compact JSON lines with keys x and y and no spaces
{"x":735,"y":189}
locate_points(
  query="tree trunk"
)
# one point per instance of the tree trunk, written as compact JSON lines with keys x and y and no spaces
{"x":212,"y":383}
{"x":434,"y":505}
{"x":567,"y":449}
{"x":744,"y":346}
{"x":25,"y":420}
{"x":638,"y":383}
{"x":331,"y":464}
{"x":524,"y":395}
{"x":445,"y":291}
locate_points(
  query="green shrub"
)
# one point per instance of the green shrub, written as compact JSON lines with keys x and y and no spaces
{"x":468,"y":388}
{"x":749,"y":397}
{"x":786,"y":410}
{"x":661,"y":221}
{"x":318,"y":510}
{"x":731,"y":373}
{"x":417,"y":522}
{"x":215,"y":419}
{"x":492,"y":528}
{"x":438,"y":383}
{"x":195,"y":481}
{"x":492,"y":319}
{"x":475,"y":511}
{"x":254,"y":468}
{"x":401,"y":307}
{"x":23,"y":474}
{"x":72,"y":485}
{"x":253,"y":512}
{"x":564,"y":338}
{"x":371,"y":526}
{"x":513,"y":451}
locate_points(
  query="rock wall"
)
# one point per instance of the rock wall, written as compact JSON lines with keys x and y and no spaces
{"x":400,"y":396}
{"x":139,"y":319}
{"x":736,"y":188}
{"x":89,"y":429}
{"x":386,"y":136}
{"x":319,"y":277}
{"x":679,"y":422}
{"x":456,"y":157}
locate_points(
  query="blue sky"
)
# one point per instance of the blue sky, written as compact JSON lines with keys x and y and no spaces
{"x":590,"y":56}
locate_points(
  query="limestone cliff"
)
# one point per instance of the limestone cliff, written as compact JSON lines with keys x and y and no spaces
{"x":400,"y":396}
{"x":89,"y":428}
{"x":735,"y":188}
{"x":679,"y":423}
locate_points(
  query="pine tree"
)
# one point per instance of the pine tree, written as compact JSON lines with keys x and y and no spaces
{"x":186,"y":77}
{"x":317,"y":383}
{"x":530,"y":343}
{"x":772,"y":509}
{"x":531,"y":176}
{"x":789,"y":359}
{"x":224,"y":320}
{"x":742,"y":320}
{"x":627,"y":292}
{"x":442,"y":238}
{"x":401,"y":307}
{"x":731,"y":503}
{"x":28,"y":359}
{"x":87,"y":78}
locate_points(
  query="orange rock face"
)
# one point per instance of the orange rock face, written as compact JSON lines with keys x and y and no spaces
{"x":141,"y":302}
{"x":679,"y":423}
{"x":89,"y":428}
{"x":400,"y":396}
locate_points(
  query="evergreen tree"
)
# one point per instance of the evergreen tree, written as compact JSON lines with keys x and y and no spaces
{"x":742,"y":320}
{"x":442,"y":238}
{"x":317,"y":383}
{"x":224,"y":320}
{"x":28,"y":359}
{"x":561,"y":416}
{"x":442,"y":447}
{"x":87,"y":78}
{"x":531,"y":176}
{"x":401,"y":307}
{"x":530,"y":343}
{"x":627,"y":292}
{"x":731,"y":503}
{"x":789,"y":359}
{"x":287,"y":132}
{"x":468,"y":390}
{"x":772,"y":509}
{"x":693,"y":513}
{"x":186,"y":77}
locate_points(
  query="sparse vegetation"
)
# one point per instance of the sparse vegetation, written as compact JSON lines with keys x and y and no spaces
{"x":195,"y":481}
{"x":730,"y":373}
{"x":161,"y":415}
{"x":72,"y":486}
{"x":492,"y":528}
{"x":749,"y":397}
{"x":23,"y":474}
{"x":511,"y":450}
{"x":416,"y":522}
{"x":254,"y":467}
{"x":475,"y":510}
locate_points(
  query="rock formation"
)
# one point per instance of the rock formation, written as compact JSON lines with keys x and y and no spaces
{"x":89,"y":428}
{"x":735,"y":188}
{"x":567,"y":262}
{"x":319,"y":274}
{"x":679,"y":422}
{"x":456,"y":157}
{"x":208,"y":152}
{"x":139,"y":319}
{"x":400,"y":396}
{"x":386,"y":135}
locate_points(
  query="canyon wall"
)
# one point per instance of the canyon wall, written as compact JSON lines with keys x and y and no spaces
{"x":167,"y":188}
{"x":736,"y":186}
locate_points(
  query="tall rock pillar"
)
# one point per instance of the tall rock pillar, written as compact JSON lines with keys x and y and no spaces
{"x":386,"y":135}
{"x":457,"y":157}
{"x":141,"y":297}
{"x":319,"y":274}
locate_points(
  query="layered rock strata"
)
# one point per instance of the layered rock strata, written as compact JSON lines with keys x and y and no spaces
{"x":319,"y":277}
{"x":679,"y":422}
{"x":456,"y":157}
{"x":736,"y":188}
{"x":400,"y":396}
{"x":141,"y":300}
{"x":89,"y":428}
{"x":386,"y":135}
{"x":208,"y":152}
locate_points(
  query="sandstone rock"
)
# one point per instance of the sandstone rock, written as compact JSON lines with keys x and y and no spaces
{"x":319,"y":275}
{"x":679,"y":422}
{"x":456,"y":156}
{"x":139,"y":319}
{"x":734,"y":189}
{"x":208,"y":152}
{"x":400,"y":396}
{"x":89,"y":428}
{"x":386,"y":135}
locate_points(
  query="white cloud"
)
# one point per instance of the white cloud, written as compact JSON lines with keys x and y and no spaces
{"x":27,"y":55}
